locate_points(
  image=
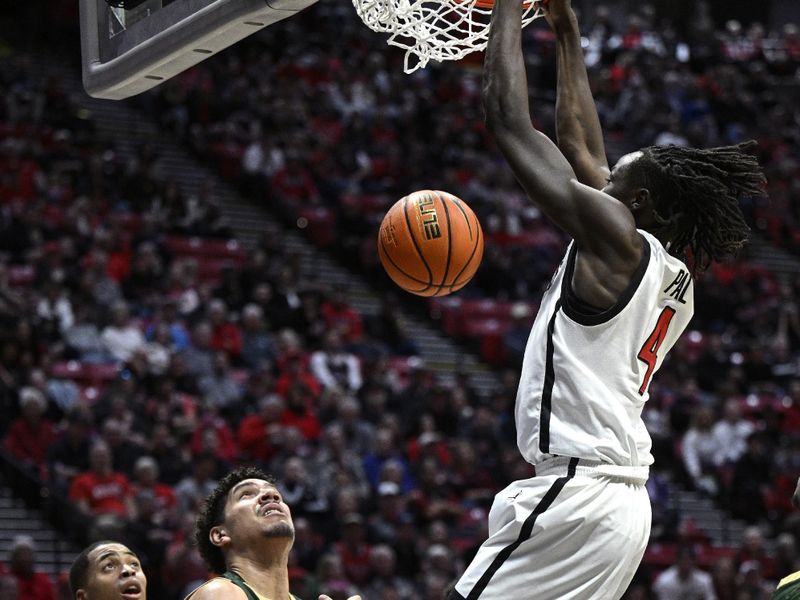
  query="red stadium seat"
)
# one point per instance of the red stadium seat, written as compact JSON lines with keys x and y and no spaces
{"x":20,"y":275}
{"x":201,"y":247}
{"x":87,"y":373}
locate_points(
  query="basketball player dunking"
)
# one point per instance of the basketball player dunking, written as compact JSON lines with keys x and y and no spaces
{"x":616,"y":305}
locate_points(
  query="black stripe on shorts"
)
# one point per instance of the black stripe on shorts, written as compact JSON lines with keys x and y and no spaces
{"x":524,"y":533}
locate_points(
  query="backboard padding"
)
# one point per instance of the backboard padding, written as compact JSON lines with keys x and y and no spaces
{"x":152,"y":49}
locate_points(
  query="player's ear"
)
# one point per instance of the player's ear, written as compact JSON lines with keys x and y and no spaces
{"x":641,"y":199}
{"x":218,"y":535}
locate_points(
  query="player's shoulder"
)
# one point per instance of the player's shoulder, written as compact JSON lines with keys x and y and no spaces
{"x":218,"y":588}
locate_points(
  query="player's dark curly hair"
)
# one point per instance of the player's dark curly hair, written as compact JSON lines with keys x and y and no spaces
{"x":213,"y":512}
{"x":697,"y":193}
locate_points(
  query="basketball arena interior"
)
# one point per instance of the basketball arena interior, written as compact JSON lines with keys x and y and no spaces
{"x":189,"y":281}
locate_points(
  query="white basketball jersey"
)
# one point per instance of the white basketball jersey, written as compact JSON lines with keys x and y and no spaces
{"x":585,"y":376}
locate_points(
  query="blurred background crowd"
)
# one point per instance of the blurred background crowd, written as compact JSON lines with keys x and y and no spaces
{"x":144,"y":350}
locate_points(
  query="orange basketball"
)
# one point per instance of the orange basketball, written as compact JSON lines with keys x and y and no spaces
{"x":430,"y":243}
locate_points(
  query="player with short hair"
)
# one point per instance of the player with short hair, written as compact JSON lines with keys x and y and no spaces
{"x":107,"y":570}
{"x":244,"y":533}
{"x":617,"y":303}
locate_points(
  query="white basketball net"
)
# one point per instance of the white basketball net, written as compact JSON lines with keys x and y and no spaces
{"x":434,"y":29}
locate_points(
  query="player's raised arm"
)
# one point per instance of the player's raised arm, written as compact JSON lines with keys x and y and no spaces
{"x":580,"y":136}
{"x":602,"y":226}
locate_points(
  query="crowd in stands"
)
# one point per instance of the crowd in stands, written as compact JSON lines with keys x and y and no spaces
{"x":144,"y":351}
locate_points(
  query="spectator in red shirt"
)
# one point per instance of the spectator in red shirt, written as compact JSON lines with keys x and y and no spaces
{"x":31,"y":434}
{"x":295,"y":370}
{"x":213,"y":436}
{"x":145,"y":472}
{"x":261,"y":434}
{"x":299,"y":412}
{"x":225,"y":334}
{"x":31,"y":585}
{"x":101,"y":490}
{"x":355,"y":553}
{"x":340,"y":316}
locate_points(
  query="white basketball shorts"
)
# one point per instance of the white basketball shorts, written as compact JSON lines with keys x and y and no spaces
{"x":573,"y":532}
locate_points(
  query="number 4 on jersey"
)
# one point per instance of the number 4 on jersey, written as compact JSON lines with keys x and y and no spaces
{"x":649,"y":352}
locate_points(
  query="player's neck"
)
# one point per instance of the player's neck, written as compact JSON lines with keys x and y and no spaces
{"x":270,"y":578}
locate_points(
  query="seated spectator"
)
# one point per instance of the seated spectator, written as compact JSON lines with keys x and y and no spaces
{"x":225,"y":334}
{"x":307,"y":547}
{"x":145,"y":473}
{"x":390,"y":515}
{"x":353,"y":549}
{"x":787,"y":560}
{"x":723,"y":575}
{"x":218,"y":386}
{"x":700,"y":449}
{"x":753,"y":549}
{"x":750,"y":480}
{"x":383,"y":449}
{"x":55,"y":309}
{"x":199,"y":356}
{"x":95,"y":279}
{"x":167,"y":314}
{"x":337,"y":463}
{"x":192,"y":489}
{"x":342,"y":318}
{"x":172,"y":460}
{"x":306,"y":498}
{"x":64,"y":393}
{"x":730,"y":433}
{"x":84,"y":340}
{"x":300,"y":413}
{"x":31,"y":434}
{"x":69,"y":454}
{"x":334,"y":367}
{"x":684,"y":579}
{"x":384,"y":580}
{"x":751,"y":583}
{"x":358,"y":433}
{"x":184,"y":568}
{"x":31,"y":584}
{"x":260,"y":435}
{"x":295,"y":371}
{"x":158,"y":349}
{"x":258,"y":345}
{"x":212,"y":435}
{"x":121,"y":338}
{"x":101,"y":490}
{"x":388,"y":328}
{"x":124,"y":451}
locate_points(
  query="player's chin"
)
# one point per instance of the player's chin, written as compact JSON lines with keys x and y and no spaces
{"x":282,"y":529}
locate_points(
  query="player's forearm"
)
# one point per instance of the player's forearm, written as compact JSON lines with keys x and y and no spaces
{"x":505,"y":85}
{"x":577,"y":123}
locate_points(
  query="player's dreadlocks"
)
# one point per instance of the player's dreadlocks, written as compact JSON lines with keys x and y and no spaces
{"x":697,"y":193}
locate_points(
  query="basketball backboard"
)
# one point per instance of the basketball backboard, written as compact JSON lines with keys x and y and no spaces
{"x":128,"y":51}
